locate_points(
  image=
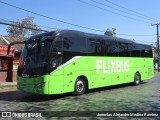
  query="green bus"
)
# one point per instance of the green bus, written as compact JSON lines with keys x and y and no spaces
{"x":65,"y":61}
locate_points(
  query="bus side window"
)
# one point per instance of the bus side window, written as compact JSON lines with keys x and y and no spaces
{"x":107,"y":44}
{"x":74,"y":46}
{"x":147,"y":52}
{"x":57,"y":44}
{"x":144,"y":52}
{"x":113,"y":49}
{"x":136,"y":51}
{"x":95,"y":47}
{"x":123,"y":49}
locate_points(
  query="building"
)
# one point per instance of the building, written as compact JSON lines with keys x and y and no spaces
{"x":15,"y":50}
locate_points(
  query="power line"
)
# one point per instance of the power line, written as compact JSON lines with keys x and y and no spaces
{"x":112,"y":12}
{"x":22,"y":26}
{"x":135,"y":35}
{"x":13,"y":22}
{"x":62,"y":21}
{"x":47,"y":31}
{"x":130,"y":10}
{"x":28,"y":24}
{"x":153,"y":38}
{"x":142,"y":17}
{"x":144,"y":41}
{"x":51,"y":18}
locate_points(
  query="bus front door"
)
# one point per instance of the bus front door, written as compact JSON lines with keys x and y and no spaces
{"x":56,"y":77}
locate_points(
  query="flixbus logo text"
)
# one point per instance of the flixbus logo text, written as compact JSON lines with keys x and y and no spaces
{"x":112,"y":66}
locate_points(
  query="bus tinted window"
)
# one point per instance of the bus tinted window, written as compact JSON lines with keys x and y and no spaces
{"x":112,"y":49}
{"x":146,"y":52}
{"x":74,"y":46}
{"x":57,"y":44}
{"x":123,"y":49}
{"x":95,"y":47}
{"x":106,"y":48}
{"x":136,"y":51}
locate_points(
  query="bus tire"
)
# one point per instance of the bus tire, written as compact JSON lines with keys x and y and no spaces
{"x":137,"y":79}
{"x":80,"y":86}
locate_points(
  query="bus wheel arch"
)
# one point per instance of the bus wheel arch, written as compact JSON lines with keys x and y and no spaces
{"x":137,"y":78}
{"x":81,"y":85}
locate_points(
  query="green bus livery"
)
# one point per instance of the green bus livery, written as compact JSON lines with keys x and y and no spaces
{"x":72,"y":61}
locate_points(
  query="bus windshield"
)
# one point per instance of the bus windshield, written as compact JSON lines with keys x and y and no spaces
{"x":35,"y":56}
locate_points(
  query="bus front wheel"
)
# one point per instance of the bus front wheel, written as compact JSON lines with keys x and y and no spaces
{"x":80,"y":86}
{"x":137,"y":78}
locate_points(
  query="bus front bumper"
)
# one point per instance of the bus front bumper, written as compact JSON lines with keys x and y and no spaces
{"x":38,"y":85}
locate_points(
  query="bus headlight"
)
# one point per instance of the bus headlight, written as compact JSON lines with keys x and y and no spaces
{"x":39,"y":85}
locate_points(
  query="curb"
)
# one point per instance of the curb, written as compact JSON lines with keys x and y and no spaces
{"x":7,"y":85}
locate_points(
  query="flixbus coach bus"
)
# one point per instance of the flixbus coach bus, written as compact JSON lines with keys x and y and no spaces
{"x":71,"y":61}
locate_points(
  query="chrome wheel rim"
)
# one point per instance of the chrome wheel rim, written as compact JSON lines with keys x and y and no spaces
{"x":137,"y":79}
{"x":80,"y":86}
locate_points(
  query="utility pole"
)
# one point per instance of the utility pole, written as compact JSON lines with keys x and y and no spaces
{"x":157,"y":43}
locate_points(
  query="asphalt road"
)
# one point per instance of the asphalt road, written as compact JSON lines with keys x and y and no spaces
{"x":144,"y":97}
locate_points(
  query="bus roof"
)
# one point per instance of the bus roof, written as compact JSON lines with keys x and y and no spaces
{"x":73,"y":33}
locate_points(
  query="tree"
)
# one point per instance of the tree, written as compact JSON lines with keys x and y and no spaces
{"x":111,"y":32}
{"x":24,"y":28}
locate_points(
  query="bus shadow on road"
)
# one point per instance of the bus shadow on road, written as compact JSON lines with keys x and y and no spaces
{"x":113,"y":87}
{"x":18,"y":96}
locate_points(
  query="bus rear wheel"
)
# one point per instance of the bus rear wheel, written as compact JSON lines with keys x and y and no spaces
{"x":80,"y":86}
{"x":137,"y":78}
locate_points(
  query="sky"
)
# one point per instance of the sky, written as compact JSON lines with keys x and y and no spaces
{"x":132,"y":19}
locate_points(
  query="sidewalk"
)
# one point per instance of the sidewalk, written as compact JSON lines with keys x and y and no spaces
{"x":8,"y":85}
